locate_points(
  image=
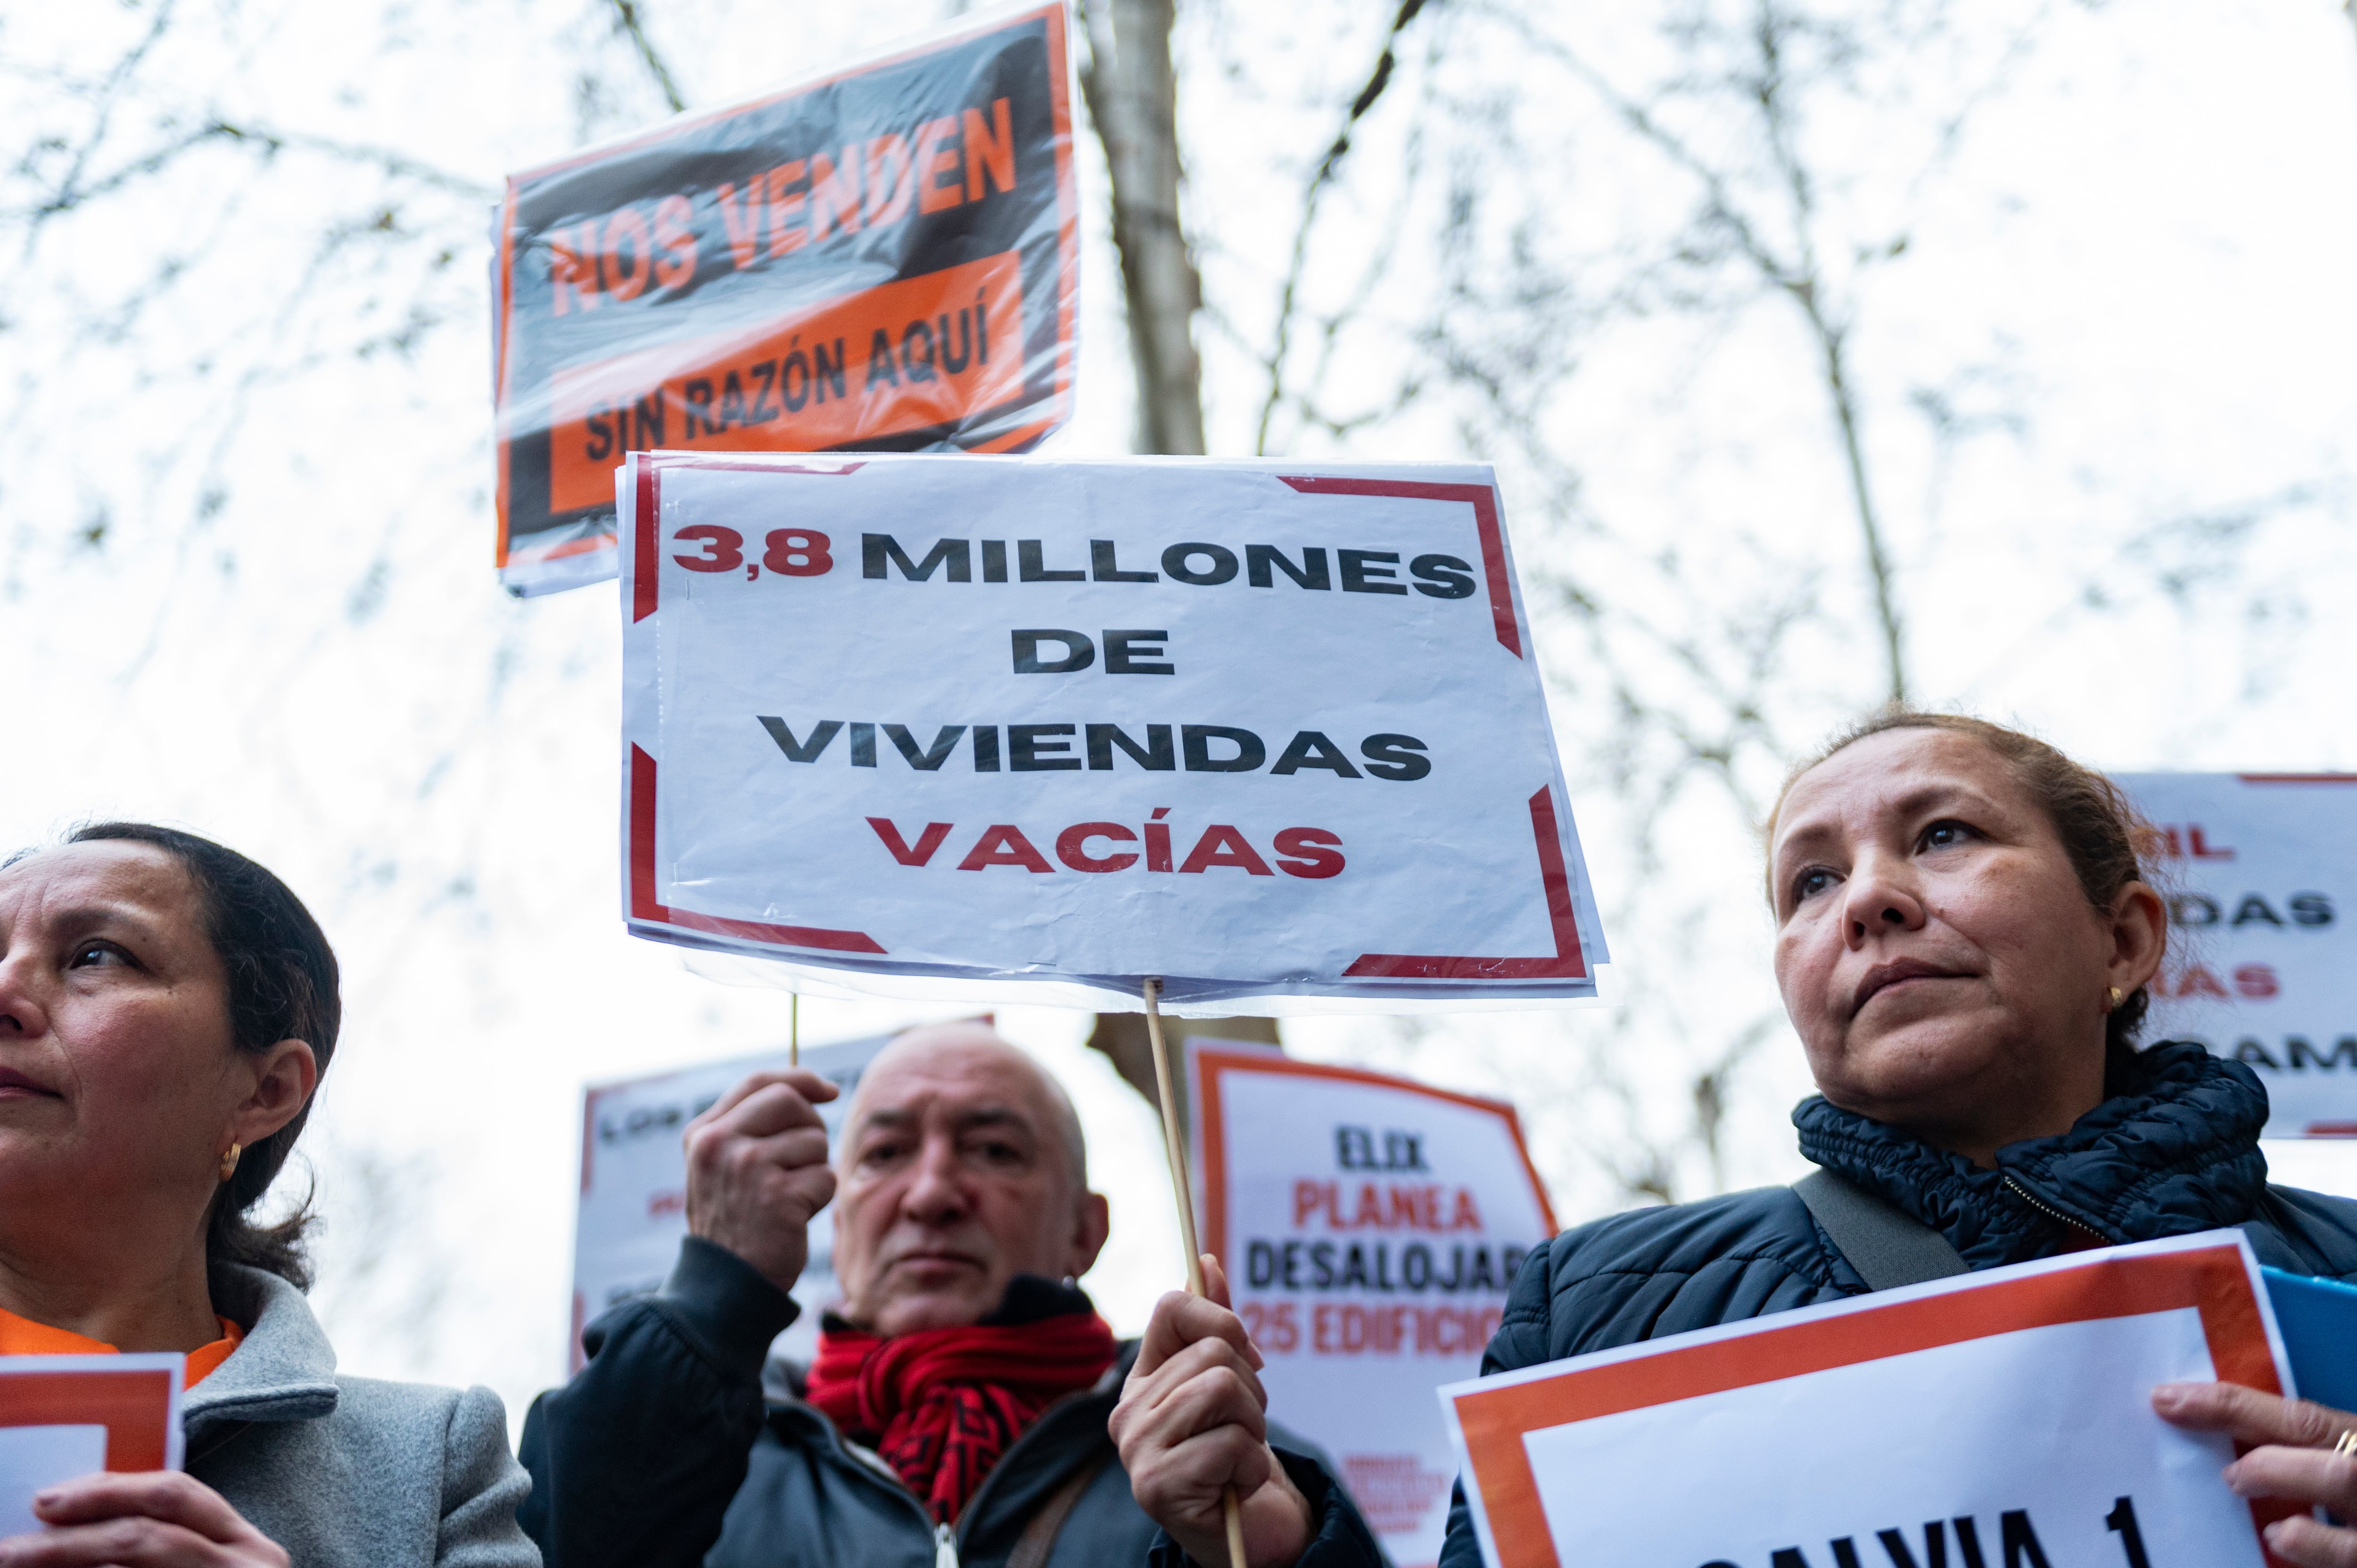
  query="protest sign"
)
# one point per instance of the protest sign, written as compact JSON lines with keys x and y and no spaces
{"x":1999,"y":1420}
{"x":1371,"y":1227}
{"x":2318,"y":1320}
{"x":1271,"y":731}
{"x":885,"y":257}
{"x":2260,"y":871}
{"x":66,"y":1416}
{"x":633,"y":1207}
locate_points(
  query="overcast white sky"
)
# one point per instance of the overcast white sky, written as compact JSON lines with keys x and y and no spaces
{"x":2147,"y":246}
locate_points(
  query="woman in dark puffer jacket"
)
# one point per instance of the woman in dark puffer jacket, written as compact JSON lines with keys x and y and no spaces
{"x":1964,"y":941}
{"x":1963,"y":937}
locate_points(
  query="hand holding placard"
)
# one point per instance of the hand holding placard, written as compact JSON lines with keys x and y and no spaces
{"x":162,"y":1517}
{"x":2297,"y":1450}
{"x":1176,"y":1148}
{"x":1245,"y":737}
{"x":1812,"y":1425}
{"x":76,"y":1432}
{"x":1376,"y":1225}
{"x":1192,"y":1427}
{"x":757,"y":1171}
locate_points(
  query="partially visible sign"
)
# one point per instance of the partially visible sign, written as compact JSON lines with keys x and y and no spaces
{"x":1274,"y":731}
{"x":2260,"y":870}
{"x":62,"y":1417}
{"x":884,"y":258}
{"x":1371,"y":1227}
{"x":1999,"y":1420}
{"x":633,"y":1207}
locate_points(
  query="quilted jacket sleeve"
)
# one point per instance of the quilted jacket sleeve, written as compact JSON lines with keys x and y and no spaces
{"x":635,"y":1461}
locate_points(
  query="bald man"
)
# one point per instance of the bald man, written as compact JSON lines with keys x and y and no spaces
{"x":958,"y":1409}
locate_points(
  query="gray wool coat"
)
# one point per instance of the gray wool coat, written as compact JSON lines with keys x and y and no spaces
{"x":349,"y":1472}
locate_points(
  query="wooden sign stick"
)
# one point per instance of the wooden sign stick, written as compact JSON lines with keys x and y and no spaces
{"x":1229,"y":1508}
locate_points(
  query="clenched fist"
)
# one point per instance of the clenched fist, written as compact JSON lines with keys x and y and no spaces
{"x":757,"y":1171}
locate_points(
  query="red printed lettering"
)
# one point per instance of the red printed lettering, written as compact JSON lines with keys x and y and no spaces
{"x":785,"y":183}
{"x":744,"y":226}
{"x":927,"y":841}
{"x":892,"y":180}
{"x":989,"y":150}
{"x":675,"y":238}
{"x":1072,"y":846}
{"x":1003,"y":843}
{"x":940,"y":186}
{"x":833,"y":194}
{"x":626,"y":230}
{"x":1222,"y":845}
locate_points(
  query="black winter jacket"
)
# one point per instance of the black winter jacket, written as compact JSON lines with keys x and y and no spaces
{"x":2174,"y":1151}
{"x":667,"y":1452}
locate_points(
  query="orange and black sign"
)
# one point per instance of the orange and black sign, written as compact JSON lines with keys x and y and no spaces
{"x":883,"y":260}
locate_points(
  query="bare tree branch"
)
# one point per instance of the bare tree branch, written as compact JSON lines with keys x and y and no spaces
{"x":103,"y":96}
{"x":1800,"y":278}
{"x":1803,"y":286}
{"x":1319,"y":178}
{"x":626,"y":21}
{"x":78,"y":192}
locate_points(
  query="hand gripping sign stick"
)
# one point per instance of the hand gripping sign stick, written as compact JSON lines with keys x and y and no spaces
{"x":1229,"y":1508}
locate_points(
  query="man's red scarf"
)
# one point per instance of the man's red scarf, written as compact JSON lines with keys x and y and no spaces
{"x":941,"y":1404}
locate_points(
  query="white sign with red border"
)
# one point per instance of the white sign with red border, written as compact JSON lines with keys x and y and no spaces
{"x":2002,"y":1418}
{"x":63,"y":1417}
{"x":1273,"y":732}
{"x":2260,"y":871}
{"x":1371,"y":1227}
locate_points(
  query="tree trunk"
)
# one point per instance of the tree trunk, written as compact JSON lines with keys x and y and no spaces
{"x":1133,"y":98}
{"x":1122,"y":1037}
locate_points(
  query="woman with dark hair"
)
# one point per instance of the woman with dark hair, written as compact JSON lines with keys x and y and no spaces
{"x":1964,"y":940}
{"x":166,"y":1008}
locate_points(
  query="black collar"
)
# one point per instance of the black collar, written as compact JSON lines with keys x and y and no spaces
{"x":2174,"y":1150}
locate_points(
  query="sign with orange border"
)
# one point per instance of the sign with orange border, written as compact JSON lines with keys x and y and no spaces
{"x":67,"y":1417}
{"x":884,"y":258}
{"x":2000,"y":1418}
{"x":1371,"y":1227}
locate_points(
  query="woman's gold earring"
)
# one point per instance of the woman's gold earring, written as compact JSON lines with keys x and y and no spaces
{"x":2116,"y":1001}
{"x":229,"y":1161}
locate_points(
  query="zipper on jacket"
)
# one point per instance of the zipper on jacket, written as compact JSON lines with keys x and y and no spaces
{"x":869,"y":1465}
{"x":2053,"y":1213}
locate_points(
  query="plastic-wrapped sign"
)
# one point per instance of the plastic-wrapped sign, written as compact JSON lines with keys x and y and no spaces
{"x":633,"y":1209}
{"x":1270,"y":731}
{"x":2260,"y":871}
{"x":1371,"y":1227}
{"x":2002,"y":1418}
{"x":884,"y":258}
